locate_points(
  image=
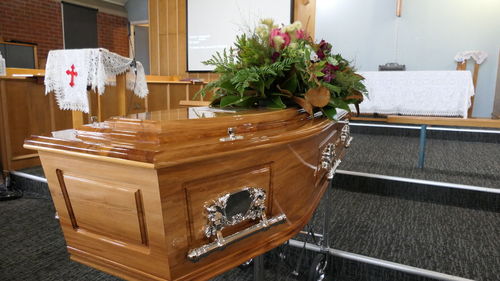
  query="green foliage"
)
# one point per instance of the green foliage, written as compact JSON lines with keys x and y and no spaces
{"x":272,"y":65}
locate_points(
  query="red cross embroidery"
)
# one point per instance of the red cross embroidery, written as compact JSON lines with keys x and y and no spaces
{"x":73,"y":74}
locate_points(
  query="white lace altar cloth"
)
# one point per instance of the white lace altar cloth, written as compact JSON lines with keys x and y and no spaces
{"x":69,"y":72}
{"x":429,"y":93}
{"x":478,"y":56}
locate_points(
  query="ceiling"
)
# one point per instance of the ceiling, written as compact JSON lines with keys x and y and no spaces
{"x":116,"y":2}
{"x":113,"y":7}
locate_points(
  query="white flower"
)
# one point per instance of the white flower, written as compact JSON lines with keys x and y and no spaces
{"x":268,"y":22}
{"x":288,"y":28}
{"x":314,"y":57}
{"x":262,"y":31}
{"x":297,"y":25}
{"x":293,"y":27}
{"x":278,"y":42}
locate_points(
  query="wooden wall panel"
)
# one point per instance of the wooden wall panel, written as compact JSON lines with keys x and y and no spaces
{"x":107,"y":105}
{"x":177,"y":93}
{"x":496,"y":105}
{"x":168,"y":96}
{"x":158,"y":97}
{"x":154,"y":45}
{"x":61,"y":118}
{"x":305,"y":12}
{"x":181,"y":38}
{"x":26,"y":110}
{"x":134,"y":103}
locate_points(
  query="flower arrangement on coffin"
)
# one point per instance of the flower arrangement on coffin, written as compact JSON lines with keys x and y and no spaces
{"x":278,"y":67}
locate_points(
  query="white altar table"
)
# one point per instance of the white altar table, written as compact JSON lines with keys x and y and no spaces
{"x":429,"y":93}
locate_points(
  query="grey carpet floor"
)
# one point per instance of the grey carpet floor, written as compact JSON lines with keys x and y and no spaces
{"x":448,"y":239}
{"x":444,"y":238}
{"x":462,"y":162}
{"x":32,"y":245}
{"x":33,"y":249}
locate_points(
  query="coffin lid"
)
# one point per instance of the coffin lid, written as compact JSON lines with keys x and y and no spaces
{"x":168,"y":137}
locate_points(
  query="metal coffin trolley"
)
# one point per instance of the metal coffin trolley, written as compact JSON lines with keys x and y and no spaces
{"x":189,"y":193}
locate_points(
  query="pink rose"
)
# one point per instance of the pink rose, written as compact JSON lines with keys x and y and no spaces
{"x":300,"y":34}
{"x":277,"y":32}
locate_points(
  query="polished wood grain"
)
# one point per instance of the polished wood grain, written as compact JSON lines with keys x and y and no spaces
{"x":146,"y":137}
{"x":475,"y":73}
{"x":193,"y":103}
{"x":13,"y":72}
{"x":366,"y":118}
{"x":100,"y":212}
{"x":496,"y":103}
{"x":305,"y":12}
{"x":90,"y":198}
{"x":26,"y":110}
{"x":137,"y":216}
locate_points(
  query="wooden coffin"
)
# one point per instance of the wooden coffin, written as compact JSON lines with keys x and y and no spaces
{"x":187,"y":194}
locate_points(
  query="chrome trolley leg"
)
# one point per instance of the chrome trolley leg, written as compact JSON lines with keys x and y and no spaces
{"x":258,"y":268}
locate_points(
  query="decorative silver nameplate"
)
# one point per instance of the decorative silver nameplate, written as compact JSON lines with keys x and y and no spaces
{"x":229,"y":209}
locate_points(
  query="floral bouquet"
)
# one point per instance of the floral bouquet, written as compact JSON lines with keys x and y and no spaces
{"x":278,"y":67}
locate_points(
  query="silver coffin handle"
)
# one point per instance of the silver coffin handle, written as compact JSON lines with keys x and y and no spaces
{"x":333,"y":169}
{"x":221,"y":242}
{"x":345,"y":135}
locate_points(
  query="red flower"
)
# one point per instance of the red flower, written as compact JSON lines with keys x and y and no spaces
{"x":329,"y":71}
{"x":285,"y":38}
{"x":300,"y":34}
{"x":320,"y":54}
{"x":325,"y":47}
{"x":275,"y":56}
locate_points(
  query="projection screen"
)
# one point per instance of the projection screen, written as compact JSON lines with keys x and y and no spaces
{"x":212,"y":25}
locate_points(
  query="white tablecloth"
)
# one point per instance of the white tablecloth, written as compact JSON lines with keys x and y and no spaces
{"x":432,"y":93}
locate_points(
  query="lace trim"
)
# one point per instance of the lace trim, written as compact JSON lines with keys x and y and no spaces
{"x":97,"y":68}
{"x":478,"y":56}
{"x":3,"y":67}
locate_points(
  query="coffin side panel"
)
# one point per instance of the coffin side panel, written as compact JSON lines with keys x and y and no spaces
{"x":201,"y":192}
{"x":110,"y":214}
{"x":295,"y":184}
{"x":109,"y":210}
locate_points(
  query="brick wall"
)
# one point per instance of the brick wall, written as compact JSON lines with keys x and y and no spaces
{"x":34,"y":21}
{"x":40,"y":22}
{"x":112,"y":32}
